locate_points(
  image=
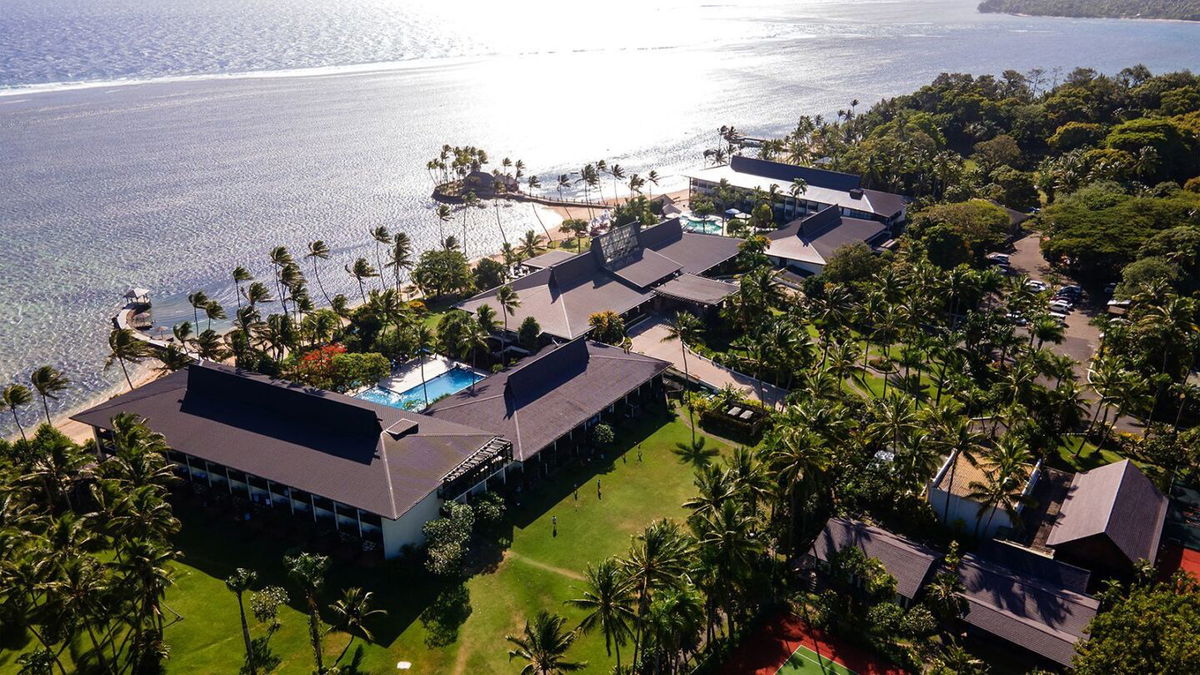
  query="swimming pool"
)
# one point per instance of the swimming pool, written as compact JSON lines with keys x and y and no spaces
{"x":709,"y":225}
{"x":450,"y":382}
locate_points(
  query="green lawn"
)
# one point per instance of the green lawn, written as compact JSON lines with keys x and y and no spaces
{"x":806,"y":661}
{"x":439,"y":627}
{"x":1087,"y":458}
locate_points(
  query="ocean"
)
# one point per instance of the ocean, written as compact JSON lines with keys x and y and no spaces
{"x":161,"y":144}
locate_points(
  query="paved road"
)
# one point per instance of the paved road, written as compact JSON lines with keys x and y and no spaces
{"x":1080,"y":337}
{"x":647,"y":339}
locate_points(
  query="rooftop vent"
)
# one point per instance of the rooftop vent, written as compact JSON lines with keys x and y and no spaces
{"x":856,"y":193}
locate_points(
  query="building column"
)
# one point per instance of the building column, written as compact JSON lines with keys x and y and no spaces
{"x":358,"y":517}
{"x":228,"y":481}
{"x":312,"y":503}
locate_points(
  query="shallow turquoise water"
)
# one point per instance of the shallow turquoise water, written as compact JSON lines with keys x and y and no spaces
{"x":450,"y":382}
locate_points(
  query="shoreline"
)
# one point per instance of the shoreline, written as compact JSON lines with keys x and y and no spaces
{"x":142,"y":374}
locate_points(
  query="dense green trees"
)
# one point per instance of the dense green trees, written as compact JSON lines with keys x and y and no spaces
{"x":959,"y":233}
{"x":1150,"y":628}
{"x":442,"y":271}
{"x":1188,"y":10}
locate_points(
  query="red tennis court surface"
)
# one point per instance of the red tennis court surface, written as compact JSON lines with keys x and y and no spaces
{"x":767,"y":650}
{"x":1176,"y":557}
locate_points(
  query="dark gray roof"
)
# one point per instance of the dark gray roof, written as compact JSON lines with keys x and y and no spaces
{"x":814,"y":238}
{"x":1118,"y":501}
{"x":563,"y":296}
{"x":644,"y":268}
{"x":834,"y":180}
{"x":692,"y":288}
{"x":549,"y":394}
{"x":1030,"y":563}
{"x":695,"y":253}
{"x":908,"y":562}
{"x":551,"y":257}
{"x":370,"y":456}
{"x":1045,"y":619}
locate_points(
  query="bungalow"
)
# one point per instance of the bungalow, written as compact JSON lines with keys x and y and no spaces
{"x":548,"y":403}
{"x":806,"y":244}
{"x":909,"y":563}
{"x":952,"y":483}
{"x":621,"y":272}
{"x":369,"y":471}
{"x":1111,"y":517}
{"x":824,"y":189}
{"x":1037,"y":606}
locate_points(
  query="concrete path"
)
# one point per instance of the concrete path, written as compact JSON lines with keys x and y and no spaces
{"x":648,"y":337}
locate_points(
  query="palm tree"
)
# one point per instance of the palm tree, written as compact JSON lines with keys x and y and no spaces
{"x":172,"y":359}
{"x":240,"y":274}
{"x":497,"y":191}
{"x":318,"y":250}
{"x":209,"y":346}
{"x":280,"y":258}
{"x":307,"y":570}
{"x":198,"y":301}
{"x":543,"y":646}
{"x":14,"y":396}
{"x":48,"y":381}
{"x":361,"y":270}
{"x":509,"y":301}
{"x":684,"y":327}
{"x":401,"y":256}
{"x":961,"y":440}
{"x":652,"y":178}
{"x":423,"y":337}
{"x":238,"y":583}
{"x":658,"y":559}
{"x":256,"y":293}
{"x":530,"y":244}
{"x":564,"y":182}
{"x":381,"y":237}
{"x":351,"y":613}
{"x":618,"y":174}
{"x":798,"y":187}
{"x":608,"y":601}
{"x":695,"y":453}
{"x":124,"y":346}
{"x":444,"y":215}
{"x":213,"y":310}
{"x":1004,"y":480}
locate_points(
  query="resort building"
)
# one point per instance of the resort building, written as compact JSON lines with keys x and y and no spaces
{"x":909,"y":563}
{"x":373,"y":472}
{"x":824,"y":189}
{"x":1031,"y":614}
{"x":806,"y":244}
{"x":953,"y":484}
{"x":621,"y":272}
{"x":1037,"y":605}
{"x":1110,"y":518}
{"x":548,"y":403}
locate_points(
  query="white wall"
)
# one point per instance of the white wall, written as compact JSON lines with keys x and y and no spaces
{"x":966,"y":511}
{"x":407,"y":529}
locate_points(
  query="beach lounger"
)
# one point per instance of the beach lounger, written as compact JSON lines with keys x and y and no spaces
{"x":746,"y":415}
{"x":734,"y":411}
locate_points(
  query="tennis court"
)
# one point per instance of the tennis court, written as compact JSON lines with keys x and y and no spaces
{"x":805,"y":661}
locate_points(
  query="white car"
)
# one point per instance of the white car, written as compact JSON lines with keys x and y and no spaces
{"x":1059,"y":316}
{"x":1037,"y":285}
{"x":1060,"y":307}
{"x":999,"y":258}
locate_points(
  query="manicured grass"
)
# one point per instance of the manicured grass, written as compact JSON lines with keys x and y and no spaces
{"x":804,"y":660}
{"x":463,"y":631}
{"x":1087,"y":458}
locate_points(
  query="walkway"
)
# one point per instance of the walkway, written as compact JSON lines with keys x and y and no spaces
{"x":765,"y":652}
{"x":648,"y":339}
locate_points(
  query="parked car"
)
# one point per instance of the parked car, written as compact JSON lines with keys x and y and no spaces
{"x":1017,"y":318}
{"x":998,"y":258}
{"x":1110,"y":288}
{"x":1037,"y":285}
{"x":1060,"y":317}
{"x":1060,"y":307}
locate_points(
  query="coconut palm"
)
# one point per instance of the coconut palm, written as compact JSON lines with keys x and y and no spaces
{"x":240,"y":274}
{"x":485,"y":316}
{"x":618,"y":174}
{"x":684,"y":327}
{"x":171,"y":359}
{"x":257,"y":293}
{"x":48,"y":381}
{"x":280,"y":258}
{"x":361,"y":269}
{"x":308,"y":570}
{"x":424,"y":337}
{"x":498,"y":189}
{"x":318,"y":250}
{"x":962,"y":441}
{"x":210,"y":347}
{"x":608,"y":601}
{"x":382,"y":238}
{"x":652,"y":178}
{"x":238,"y":583}
{"x":530,"y":244}
{"x":198,"y":301}
{"x":213,"y":310}
{"x":401,"y":256}
{"x":564,"y":182}
{"x":509,"y":301}
{"x":123,"y":347}
{"x":1005,"y":476}
{"x":543,"y":646}
{"x":658,"y":559}
{"x":14,"y":396}
{"x":350,"y":615}
{"x":444,"y":214}
{"x":798,"y":187}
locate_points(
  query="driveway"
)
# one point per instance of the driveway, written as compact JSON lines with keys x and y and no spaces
{"x":647,"y":339}
{"x":1080,"y":337}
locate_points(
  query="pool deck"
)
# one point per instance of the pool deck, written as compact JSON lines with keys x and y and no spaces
{"x":408,"y":375}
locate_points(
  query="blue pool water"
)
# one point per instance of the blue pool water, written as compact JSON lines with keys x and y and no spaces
{"x":450,"y":382}
{"x":703,"y":226}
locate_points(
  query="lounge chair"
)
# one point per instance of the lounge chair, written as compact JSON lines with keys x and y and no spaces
{"x":746,"y":415}
{"x":734,"y":411}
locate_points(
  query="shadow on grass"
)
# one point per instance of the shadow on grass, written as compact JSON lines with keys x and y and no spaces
{"x":581,"y":473}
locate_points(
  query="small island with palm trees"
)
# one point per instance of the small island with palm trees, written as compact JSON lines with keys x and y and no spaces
{"x":903,"y":391}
